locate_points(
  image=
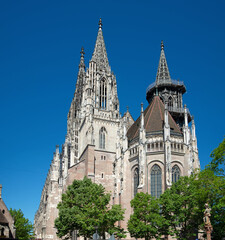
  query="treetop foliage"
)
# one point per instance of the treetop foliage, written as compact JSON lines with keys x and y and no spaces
{"x":24,"y":228}
{"x":217,"y":164}
{"x":85,"y":207}
{"x":146,"y":221}
{"x":181,"y":207}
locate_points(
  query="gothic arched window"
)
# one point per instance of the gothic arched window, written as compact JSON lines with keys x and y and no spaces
{"x":170,"y":102}
{"x":102,"y":135}
{"x":103,"y":94}
{"x":156,"y":181}
{"x":175,"y":173}
{"x":136,"y":180}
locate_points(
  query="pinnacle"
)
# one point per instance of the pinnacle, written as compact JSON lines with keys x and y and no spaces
{"x":163,"y":74}
{"x":82,"y":52}
{"x":82,"y":64}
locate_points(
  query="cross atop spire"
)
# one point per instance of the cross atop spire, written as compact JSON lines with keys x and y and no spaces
{"x":163,"y":74}
{"x":99,"y":55}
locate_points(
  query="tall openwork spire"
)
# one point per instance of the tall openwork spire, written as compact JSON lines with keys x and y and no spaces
{"x":163,"y":75}
{"x":80,"y":82}
{"x":99,"y":55}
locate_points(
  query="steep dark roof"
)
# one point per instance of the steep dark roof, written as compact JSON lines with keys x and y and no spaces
{"x":153,"y":120}
{"x":3,"y":218}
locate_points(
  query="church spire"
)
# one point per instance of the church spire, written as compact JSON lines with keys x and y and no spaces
{"x":163,"y":75}
{"x":79,"y":84}
{"x":99,"y":55}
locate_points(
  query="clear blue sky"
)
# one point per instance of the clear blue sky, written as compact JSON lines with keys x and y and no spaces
{"x":40,"y":45}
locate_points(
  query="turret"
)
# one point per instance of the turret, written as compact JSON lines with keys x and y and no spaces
{"x":142,"y":117}
{"x":186,"y":128}
{"x":167,"y":89}
{"x":193,"y":135}
{"x":166,"y":123}
{"x":142,"y":135}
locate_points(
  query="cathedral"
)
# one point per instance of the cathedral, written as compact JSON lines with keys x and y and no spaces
{"x":123,"y":155}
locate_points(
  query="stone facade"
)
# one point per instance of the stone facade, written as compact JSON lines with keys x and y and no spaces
{"x":126,"y":157}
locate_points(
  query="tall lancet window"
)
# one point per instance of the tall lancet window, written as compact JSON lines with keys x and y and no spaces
{"x":175,"y":173}
{"x":156,"y":181}
{"x":136,"y":180}
{"x":170,"y":102}
{"x":102,"y":135}
{"x":103,"y":94}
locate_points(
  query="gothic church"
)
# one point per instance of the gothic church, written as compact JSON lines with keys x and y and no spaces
{"x":124,"y":155}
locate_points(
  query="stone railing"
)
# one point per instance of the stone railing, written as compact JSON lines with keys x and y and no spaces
{"x":133,"y":151}
{"x":159,"y":146}
{"x":155,"y":147}
{"x":177,"y":110}
{"x":164,"y":82}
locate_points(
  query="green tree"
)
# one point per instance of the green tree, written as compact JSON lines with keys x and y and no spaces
{"x":217,"y":164}
{"x":85,"y":206}
{"x":183,"y":205}
{"x":146,"y":221}
{"x":180,"y":209}
{"x":24,"y":228}
{"x":211,"y":189}
{"x":212,"y":183}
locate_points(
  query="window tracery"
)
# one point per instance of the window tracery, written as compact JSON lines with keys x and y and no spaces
{"x":175,"y":173}
{"x":102,"y":135}
{"x":103,"y":94}
{"x":170,"y":102}
{"x":156,"y":181}
{"x":136,"y":180}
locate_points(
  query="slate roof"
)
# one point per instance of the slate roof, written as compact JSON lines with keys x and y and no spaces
{"x":153,"y":120}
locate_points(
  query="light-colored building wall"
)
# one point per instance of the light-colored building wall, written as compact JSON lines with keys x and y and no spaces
{"x":113,"y":165}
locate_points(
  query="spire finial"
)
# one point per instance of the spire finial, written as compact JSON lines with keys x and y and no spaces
{"x":162,"y":45}
{"x":82,"y":52}
{"x":100,"y":23}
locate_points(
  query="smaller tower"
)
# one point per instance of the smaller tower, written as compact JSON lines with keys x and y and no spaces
{"x":168,"y":90}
